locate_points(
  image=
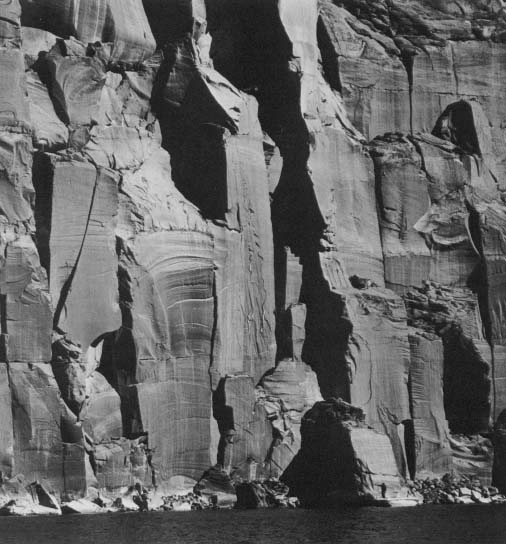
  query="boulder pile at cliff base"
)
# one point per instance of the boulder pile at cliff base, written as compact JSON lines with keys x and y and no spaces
{"x":451,"y":489}
{"x":35,"y":499}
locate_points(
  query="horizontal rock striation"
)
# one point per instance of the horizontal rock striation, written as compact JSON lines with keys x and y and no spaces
{"x":215,"y":214}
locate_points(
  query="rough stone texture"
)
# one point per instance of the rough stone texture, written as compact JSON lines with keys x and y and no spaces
{"x":214,"y":214}
{"x":16,"y":185}
{"x":285,"y":394}
{"x":367,"y":68}
{"x":32,"y":437}
{"x":423,"y":215}
{"x":341,"y":459}
{"x":245,"y":435}
{"x":121,"y":24}
{"x":430,"y":428}
{"x":102,"y":415}
{"x":453,"y":315}
{"x":26,"y":311}
{"x":37,"y":421}
{"x":49,"y":133}
{"x":162,"y":359}
{"x":120,"y":463}
{"x":80,"y":246}
{"x":7,"y":445}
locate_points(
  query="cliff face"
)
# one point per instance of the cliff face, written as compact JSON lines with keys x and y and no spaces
{"x":214,"y":214}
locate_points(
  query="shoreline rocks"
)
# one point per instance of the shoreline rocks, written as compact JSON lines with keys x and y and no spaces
{"x":451,"y":489}
{"x":266,"y":494}
{"x":455,"y":489}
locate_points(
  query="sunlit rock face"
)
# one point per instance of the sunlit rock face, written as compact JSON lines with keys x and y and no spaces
{"x":342,"y":460}
{"x":123,"y":26}
{"x":429,"y":427}
{"x":215,"y":214}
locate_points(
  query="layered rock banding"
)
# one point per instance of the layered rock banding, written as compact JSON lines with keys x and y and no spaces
{"x":215,"y":214}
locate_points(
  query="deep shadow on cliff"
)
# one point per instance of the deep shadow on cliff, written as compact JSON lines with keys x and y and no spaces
{"x":217,"y":217}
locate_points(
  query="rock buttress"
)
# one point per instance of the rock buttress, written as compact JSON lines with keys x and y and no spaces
{"x":198,"y":239}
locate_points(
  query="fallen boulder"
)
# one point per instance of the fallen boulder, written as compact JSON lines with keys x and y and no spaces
{"x":217,"y":486}
{"x":24,"y":507}
{"x":124,"y":504}
{"x":81,"y":506}
{"x":252,"y":495}
{"x":342,"y":460}
{"x":44,"y":498}
{"x":264,"y":494}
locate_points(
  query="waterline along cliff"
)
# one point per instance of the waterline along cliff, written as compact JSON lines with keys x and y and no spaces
{"x":218,"y":217}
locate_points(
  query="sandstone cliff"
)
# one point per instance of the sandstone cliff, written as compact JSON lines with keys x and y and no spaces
{"x":214,"y":214}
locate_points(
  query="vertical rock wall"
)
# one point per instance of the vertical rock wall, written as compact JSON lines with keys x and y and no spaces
{"x":215,"y":214}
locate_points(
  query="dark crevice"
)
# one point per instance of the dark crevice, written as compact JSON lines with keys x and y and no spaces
{"x":151,"y":465}
{"x":296,"y":218}
{"x":479,"y":283}
{"x":43,"y":171}
{"x":199,"y":167}
{"x":409,"y":426}
{"x":193,"y":131}
{"x":466,"y":384}
{"x":224,"y":416}
{"x":250,"y":45}
{"x":407,"y":58}
{"x":456,"y":125}
{"x":494,"y":384}
{"x":280,"y":277}
{"x":108,"y":30}
{"x":47,"y":16}
{"x":169,"y":20}
{"x":251,"y":48}
{"x":3,"y":317}
{"x":329,"y":57}
{"x":92,"y":459}
{"x":106,"y":367}
{"x":41,"y":67}
{"x":6,"y":465}
{"x":328,"y":332}
{"x":410,"y":447}
{"x":380,"y":206}
{"x":117,"y":365}
{"x":213,"y":333}
{"x":118,"y":362}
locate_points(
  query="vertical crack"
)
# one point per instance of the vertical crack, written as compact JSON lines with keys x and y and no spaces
{"x":455,"y":71}
{"x":407,"y":58}
{"x":480,"y":285}
{"x":330,"y":61}
{"x":3,"y":315}
{"x":214,"y":332}
{"x":67,"y":286}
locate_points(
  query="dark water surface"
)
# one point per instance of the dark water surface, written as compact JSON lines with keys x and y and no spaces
{"x":434,"y":524}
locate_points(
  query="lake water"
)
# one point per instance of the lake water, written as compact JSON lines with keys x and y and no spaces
{"x":424,"y":524}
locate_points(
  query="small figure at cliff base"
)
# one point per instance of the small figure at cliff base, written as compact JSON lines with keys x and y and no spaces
{"x":383,"y":490}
